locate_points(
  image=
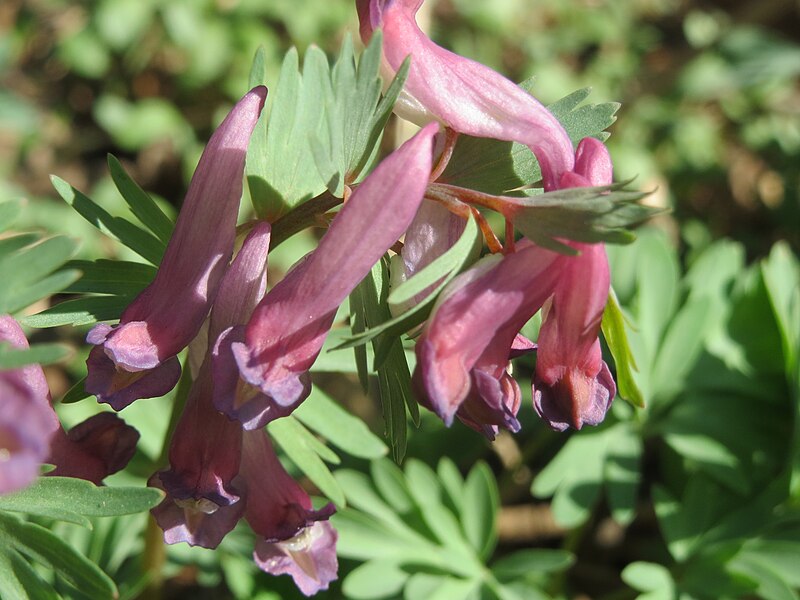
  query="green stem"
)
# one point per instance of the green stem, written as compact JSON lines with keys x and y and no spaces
{"x":301,"y":217}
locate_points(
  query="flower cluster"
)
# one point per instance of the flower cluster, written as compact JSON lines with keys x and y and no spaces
{"x":250,"y":349}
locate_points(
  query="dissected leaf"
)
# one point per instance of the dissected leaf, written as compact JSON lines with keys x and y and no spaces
{"x":292,"y":437}
{"x":44,"y":547}
{"x":338,"y":426}
{"x":144,"y":243}
{"x":613,"y":326}
{"x":70,"y":499}
{"x":142,"y":205}
{"x":43,"y":354}
{"x":281,"y":172}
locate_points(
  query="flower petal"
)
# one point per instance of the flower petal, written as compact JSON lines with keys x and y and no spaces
{"x":165,"y":317}
{"x":287,"y":329}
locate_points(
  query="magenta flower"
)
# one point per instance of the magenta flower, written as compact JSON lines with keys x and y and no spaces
{"x":572,"y":385}
{"x":286,"y":332}
{"x":93,"y":449}
{"x":203,"y":503}
{"x":27,"y":422}
{"x":136,"y":359}
{"x":464,"y":350}
{"x":293,"y":538}
{"x":462,"y":94}
{"x":31,"y":434}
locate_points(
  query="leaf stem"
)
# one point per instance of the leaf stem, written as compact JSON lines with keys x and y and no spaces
{"x":302,"y":216}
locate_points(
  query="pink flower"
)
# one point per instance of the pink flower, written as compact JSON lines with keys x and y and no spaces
{"x":293,"y":538}
{"x":464,"y":350}
{"x":462,"y":94}
{"x":203,"y":502}
{"x":572,"y":385}
{"x":31,"y":434}
{"x":136,"y":359}
{"x":27,"y":422}
{"x":285,"y":334}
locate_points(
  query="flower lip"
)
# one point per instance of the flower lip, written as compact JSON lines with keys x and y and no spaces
{"x":169,"y":312}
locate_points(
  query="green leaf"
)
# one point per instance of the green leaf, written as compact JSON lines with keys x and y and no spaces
{"x":613,"y":326}
{"x":43,"y":354}
{"x":19,"y":580}
{"x":622,"y":472}
{"x":142,"y":205}
{"x":258,"y":70}
{"x":46,"y":548}
{"x":497,"y":167}
{"x":83,"y":311}
{"x":522,"y":562}
{"x":9,"y":212}
{"x":574,"y":477}
{"x":394,"y":377}
{"x":140,"y":241}
{"x":682,"y":343}
{"x":339,"y":427}
{"x":24,"y":272}
{"x":479,"y":509}
{"x":76,"y":393}
{"x":781,"y":272}
{"x":118,"y":277}
{"x":650,"y":577}
{"x":281,"y":171}
{"x":584,"y":120}
{"x":355,"y":115}
{"x":391,"y":483}
{"x":590,"y":215}
{"x":293,"y":439}
{"x":374,"y":579}
{"x":72,"y":500}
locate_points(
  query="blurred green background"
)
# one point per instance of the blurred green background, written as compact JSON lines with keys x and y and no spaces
{"x":710,"y":120}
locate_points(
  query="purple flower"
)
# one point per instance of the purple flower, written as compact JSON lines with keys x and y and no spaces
{"x":572,"y":385}
{"x":93,"y":449}
{"x":136,"y":359}
{"x":293,"y":538}
{"x":462,"y":94}
{"x":464,"y":350}
{"x":27,"y":422}
{"x":285,"y":334}
{"x":30,"y":432}
{"x":203,"y":502}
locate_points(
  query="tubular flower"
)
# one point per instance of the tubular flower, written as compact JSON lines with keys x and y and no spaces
{"x":293,"y":538}
{"x":27,"y":422}
{"x":285,"y":334}
{"x":462,"y":94}
{"x":203,"y":503}
{"x":30,"y":432}
{"x":464,"y":349}
{"x":93,"y":449}
{"x":572,"y":385}
{"x":433,"y":231}
{"x":136,"y":359}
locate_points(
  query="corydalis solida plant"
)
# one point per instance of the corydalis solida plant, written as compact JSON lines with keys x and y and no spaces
{"x":255,"y":368}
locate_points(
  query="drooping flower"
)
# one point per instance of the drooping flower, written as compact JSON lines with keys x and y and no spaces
{"x":203,"y":503}
{"x":31,"y":434}
{"x":293,"y":538}
{"x":136,"y":359}
{"x":27,"y":422}
{"x":462,"y":94}
{"x":285,"y":334}
{"x":464,"y":349}
{"x":93,"y":449}
{"x":573,"y":385}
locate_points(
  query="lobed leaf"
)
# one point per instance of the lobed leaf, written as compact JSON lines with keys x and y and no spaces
{"x":73,"y":500}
